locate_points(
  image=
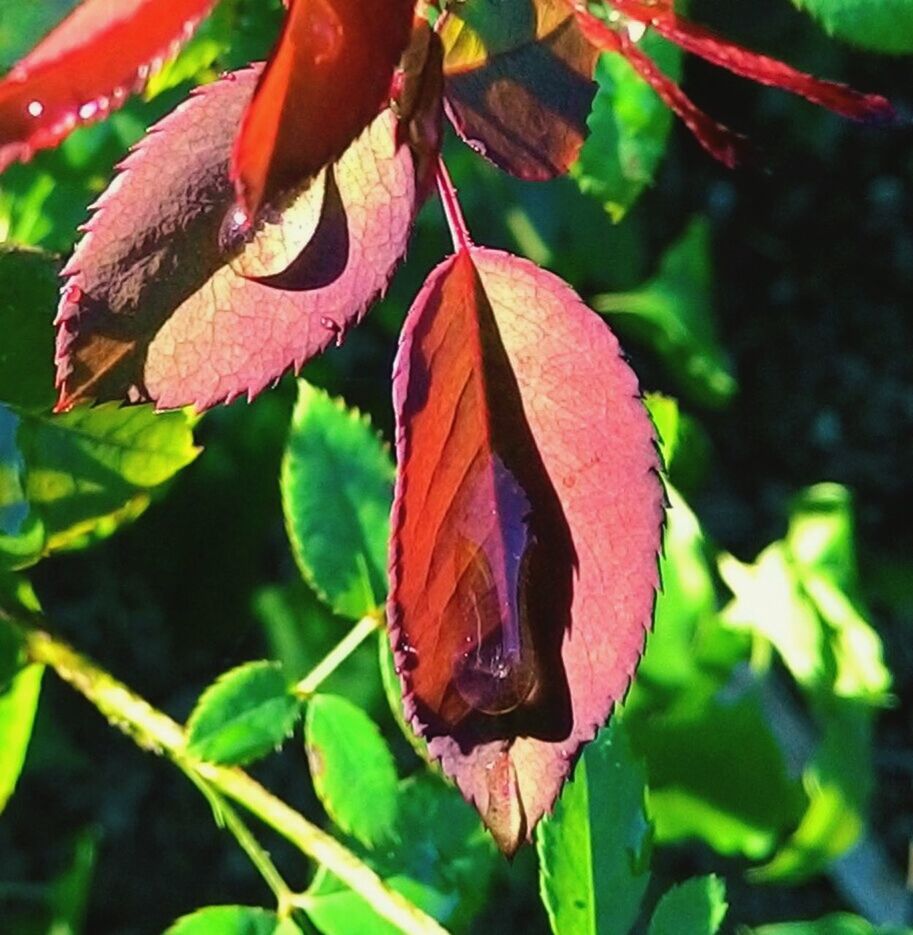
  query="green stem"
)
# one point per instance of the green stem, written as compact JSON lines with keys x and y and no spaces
{"x":155,"y":731}
{"x":337,"y":655}
{"x":226,"y":817}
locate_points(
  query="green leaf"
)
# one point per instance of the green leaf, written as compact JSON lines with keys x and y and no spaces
{"x":594,"y":850}
{"x":441,"y":860}
{"x":301,"y":630}
{"x":352,"y":768}
{"x":697,"y":782}
{"x":769,"y":603}
{"x":666,"y":418}
{"x":840,"y":923}
{"x":243,"y":715}
{"x":838,"y":780}
{"x":688,"y":650}
{"x":18,"y":704}
{"x":629,"y":128}
{"x":84,"y":473}
{"x":69,"y":895}
{"x":821,"y":545}
{"x":673,"y":313}
{"x":697,"y":906}
{"x":28,"y":298}
{"x":233,"y":920}
{"x":337,"y":487}
{"x":880,"y":25}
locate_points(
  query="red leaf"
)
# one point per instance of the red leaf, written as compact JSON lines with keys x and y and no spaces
{"x":519,"y":83}
{"x":163,"y":302}
{"x":87,"y":66}
{"x":327,"y":79}
{"x":761,"y":68}
{"x":526,"y":529}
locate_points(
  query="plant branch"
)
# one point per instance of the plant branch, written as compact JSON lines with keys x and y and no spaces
{"x":226,"y":817}
{"x":155,"y":731}
{"x":459,"y":232}
{"x":338,"y":655}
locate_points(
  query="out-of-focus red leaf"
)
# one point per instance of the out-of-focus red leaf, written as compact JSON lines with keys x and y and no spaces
{"x":526,"y":529}
{"x":519,"y":83}
{"x":167,"y":300}
{"x":102,"y":52}
{"x":326,"y":80}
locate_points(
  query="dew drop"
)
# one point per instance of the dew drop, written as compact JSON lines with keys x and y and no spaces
{"x":35,"y":108}
{"x":498,"y":669}
{"x":88,"y":110}
{"x":236,"y":231}
{"x":338,"y":330}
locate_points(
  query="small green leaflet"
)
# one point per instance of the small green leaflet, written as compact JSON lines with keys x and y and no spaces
{"x":233,"y":920}
{"x":879,"y":25}
{"x":441,"y":860}
{"x":673,"y":314}
{"x":337,"y":487}
{"x":18,"y":704}
{"x":629,"y":128}
{"x":594,"y":850}
{"x":243,"y":715}
{"x":697,"y":906}
{"x":352,"y":768}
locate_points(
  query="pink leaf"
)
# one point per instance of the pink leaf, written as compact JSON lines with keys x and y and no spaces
{"x":526,"y":529}
{"x":168,"y":300}
{"x":101,"y":53}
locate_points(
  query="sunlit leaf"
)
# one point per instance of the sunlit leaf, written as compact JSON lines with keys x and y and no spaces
{"x":594,"y":850}
{"x":769,"y":602}
{"x":18,"y":704}
{"x":233,"y":920}
{"x":352,"y":769}
{"x":697,"y":906}
{"x":821,"y":543}
{"x":243,"y":715}
{"x":337,"y":486}
{"x":88,"y":66}
{"x":519,"y":82}
{"x":441,"y":860}
{"x":880,"y":25}
{"x":673,"y":313}
{"x":629,"y":126}
{"x":68,"y":479}
{"x":525,"y":530}
{"x":168,"y":300}
{"x":327,"y":79}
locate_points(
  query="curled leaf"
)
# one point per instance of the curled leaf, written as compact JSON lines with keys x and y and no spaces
{"x":169,"y":299}
{"x":101,"y":53}
{"x":326,"y":80}
{"x":526,"y":528}
{"x":519,"y":82}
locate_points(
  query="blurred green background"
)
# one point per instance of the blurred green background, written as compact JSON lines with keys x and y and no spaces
{"x":774,"y":304}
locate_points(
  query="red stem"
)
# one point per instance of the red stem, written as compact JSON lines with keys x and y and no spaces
{"x":459,"y":232}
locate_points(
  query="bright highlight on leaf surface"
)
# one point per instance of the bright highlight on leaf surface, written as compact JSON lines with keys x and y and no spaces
{"x":519,"y":83}
{"x":87,"y":66}
{"x":168,"y":300}
{"x":327,"y":79}
{"x":525,"y":530}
